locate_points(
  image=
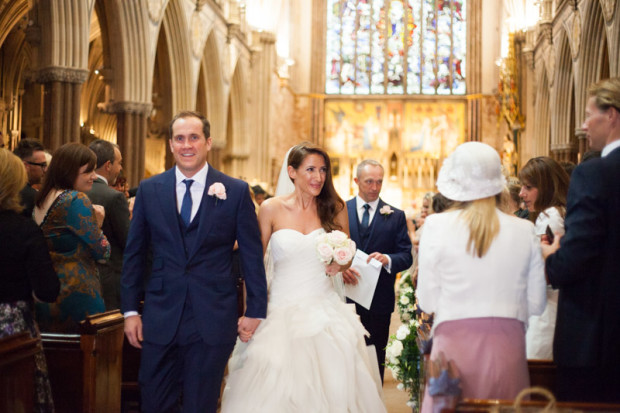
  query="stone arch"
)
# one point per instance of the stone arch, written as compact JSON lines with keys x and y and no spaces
{"x":16,"y":86}
{"x":563,"y":146}
{"x":542,"y":116}
{"x":594,"y":55}
{"x":237,"y":144}
{"x":210,"y":97}
{"x":11,"y":14}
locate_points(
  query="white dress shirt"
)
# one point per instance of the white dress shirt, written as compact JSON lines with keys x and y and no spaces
{"x":196,"y":190}
{"x":610,"y":147}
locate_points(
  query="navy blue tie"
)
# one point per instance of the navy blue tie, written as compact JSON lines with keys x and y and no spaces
{"x":186,"y":205}
{"x":365,"y":217}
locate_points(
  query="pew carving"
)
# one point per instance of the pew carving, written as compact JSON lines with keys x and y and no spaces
{"x":85,"y":369}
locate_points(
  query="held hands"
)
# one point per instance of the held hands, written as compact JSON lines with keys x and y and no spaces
{"x":133,"y":330}
{"x":99,"y":214}
{"x":246,"y":328}
{"x":547,"y":248}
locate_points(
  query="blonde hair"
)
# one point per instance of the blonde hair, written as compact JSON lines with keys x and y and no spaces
{"x":483,"y":222}
{"x":12,"y":179}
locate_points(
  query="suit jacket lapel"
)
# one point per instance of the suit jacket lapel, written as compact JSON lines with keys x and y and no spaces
{"x":205,"y":209}
{"x":167,"y":195}
{"x":353,"y":221}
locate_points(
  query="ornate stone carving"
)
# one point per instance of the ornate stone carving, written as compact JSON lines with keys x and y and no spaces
{"x":62,"y":74}
{"x":546,"y":31}
{"x":156,"y":8}
{"x":608,"y":6}
{"x":576,"y":34}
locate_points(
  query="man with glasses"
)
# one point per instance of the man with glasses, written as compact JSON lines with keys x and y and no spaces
{"x":32,"y":153}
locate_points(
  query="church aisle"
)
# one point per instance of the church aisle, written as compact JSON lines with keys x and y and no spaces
{"x":395,"y":400}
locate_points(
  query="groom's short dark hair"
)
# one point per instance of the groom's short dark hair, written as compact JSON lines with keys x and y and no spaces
{"x":206,"y":127}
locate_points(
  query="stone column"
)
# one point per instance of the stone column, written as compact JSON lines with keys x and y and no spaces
{"x":62,"y":87}
{"x":317,"y":73}
{"x":263,"y":63}
{"x":131,"y":130}
{"x":582,"y":143}
{"x":474,"y":72}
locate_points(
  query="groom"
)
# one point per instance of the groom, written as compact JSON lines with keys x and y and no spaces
{"x":189,"y":218}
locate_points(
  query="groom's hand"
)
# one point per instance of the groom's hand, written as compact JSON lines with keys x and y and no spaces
{"x":350,"y":276}
{"x":133,"y":330}
{"x":246,"y":327}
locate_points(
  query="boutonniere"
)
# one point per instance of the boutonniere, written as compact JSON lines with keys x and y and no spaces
{"x":218,"y":191}
{"x":386,"y":211}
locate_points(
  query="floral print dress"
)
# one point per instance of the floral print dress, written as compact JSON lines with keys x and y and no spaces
{"x":75,"y":243}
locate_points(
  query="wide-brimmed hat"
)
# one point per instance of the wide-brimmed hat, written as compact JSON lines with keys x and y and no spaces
{"x":473,"y":171}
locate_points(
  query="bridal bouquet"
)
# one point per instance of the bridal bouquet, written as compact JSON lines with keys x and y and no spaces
{"x":335,"y":246}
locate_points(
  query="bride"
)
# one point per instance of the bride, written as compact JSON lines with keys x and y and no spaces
{"x":309,"y":354}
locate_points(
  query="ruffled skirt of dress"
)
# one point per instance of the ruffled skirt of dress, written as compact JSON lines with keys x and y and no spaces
{"x":308,"y":356}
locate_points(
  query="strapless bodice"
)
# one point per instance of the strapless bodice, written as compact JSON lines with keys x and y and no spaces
{"x":298,"y":272}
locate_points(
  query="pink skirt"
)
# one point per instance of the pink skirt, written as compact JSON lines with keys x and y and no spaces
{"x":489,"y":354}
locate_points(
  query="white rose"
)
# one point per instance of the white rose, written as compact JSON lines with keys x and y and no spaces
{"x":397,"y":348}
{"x":395,"y":372}
{"x":405,"y":316}
{"x":337,"y":238}
{"x":325,"y":252}
{"x":342,"y":255}
{"x":402,"y":332}
{"x":218,"y":190}
{"x":404,"y":300}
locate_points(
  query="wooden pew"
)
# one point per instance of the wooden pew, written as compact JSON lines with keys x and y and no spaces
{"x":542,"y":374}
{"x":17,"y":367}
{"x":497,"y":406}
{"x":85,"y":369}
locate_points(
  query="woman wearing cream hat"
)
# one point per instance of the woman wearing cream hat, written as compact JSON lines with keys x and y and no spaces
{"x":482,"y":275}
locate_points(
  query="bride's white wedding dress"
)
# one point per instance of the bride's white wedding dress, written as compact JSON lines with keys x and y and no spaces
{"x":309,"y":354}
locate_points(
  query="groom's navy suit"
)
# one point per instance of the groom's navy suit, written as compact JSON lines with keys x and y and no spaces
{"x":388,"y":235}
{"x":190,"y":295}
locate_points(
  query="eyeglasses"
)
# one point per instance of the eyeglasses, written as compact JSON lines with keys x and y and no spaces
{"x":41,"y":164}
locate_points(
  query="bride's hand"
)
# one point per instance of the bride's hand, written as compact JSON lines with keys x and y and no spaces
{"x":332,"y":269}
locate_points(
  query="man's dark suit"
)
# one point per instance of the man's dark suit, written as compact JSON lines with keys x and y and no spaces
{"x":191,"y":295}
{"x":115,"y":227}
{"x":28,"y":195}
{"x":386,"y":234}
{"x":586,"y":269}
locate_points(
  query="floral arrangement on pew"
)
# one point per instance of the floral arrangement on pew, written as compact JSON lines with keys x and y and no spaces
{"x":405,"y":350}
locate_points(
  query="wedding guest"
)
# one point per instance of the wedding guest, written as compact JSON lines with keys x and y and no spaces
{"x":585,"y":268}
{"x":481,"y":274}
{"x":27,"y":270}
{"x":72,"y":228}
{"x":32,"y":154}
{"x":544,"y":190}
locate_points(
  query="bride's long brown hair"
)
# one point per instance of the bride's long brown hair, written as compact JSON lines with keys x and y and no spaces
{"x":328,"y":203}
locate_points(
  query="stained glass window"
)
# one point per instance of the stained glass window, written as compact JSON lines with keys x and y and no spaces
{"x":396,"y":47}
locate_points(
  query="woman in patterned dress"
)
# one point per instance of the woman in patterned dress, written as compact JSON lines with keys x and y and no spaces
{"x":72,"y":228}
{"x":27,"y":271}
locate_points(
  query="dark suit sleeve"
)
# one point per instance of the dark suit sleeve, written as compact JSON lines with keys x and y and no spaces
{"x":134,"y":257}
{"x":251,"y":253}
{"x":39,"y":268}
{"x":580,"y":248}
{"x":401,"y":257}
{"x":118,"y":215}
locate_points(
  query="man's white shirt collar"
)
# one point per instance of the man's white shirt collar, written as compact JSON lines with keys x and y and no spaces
{"x":102,"y":178}
{"x":610,"y":147}
{"x":360,"y":203}
{"x":199,"y":178}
